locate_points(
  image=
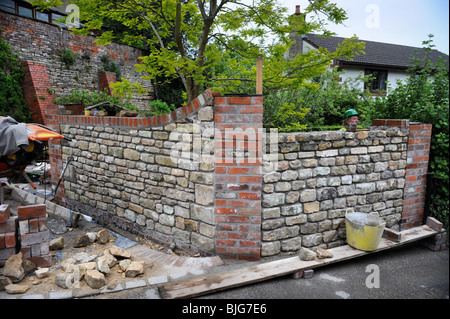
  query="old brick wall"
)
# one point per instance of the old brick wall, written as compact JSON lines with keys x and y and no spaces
{"x":40,"y":42}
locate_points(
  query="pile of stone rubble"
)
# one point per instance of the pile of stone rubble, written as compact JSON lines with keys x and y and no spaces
{"x":96,"y":270}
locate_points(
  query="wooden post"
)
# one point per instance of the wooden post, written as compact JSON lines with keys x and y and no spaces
{"x":259,"y":76}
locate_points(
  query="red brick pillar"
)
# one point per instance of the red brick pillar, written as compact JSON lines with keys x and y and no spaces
{"x":238,"y":176}
{"x":416,"y":175}
{"x":105,"y":79}
{"x":37,"y":91}
{"x":8,"y":234}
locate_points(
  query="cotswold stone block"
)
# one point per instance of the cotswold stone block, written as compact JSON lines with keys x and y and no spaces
{"x":270,"y":248}
{"x":271,"y":200}
{"x":291,"y":210}
{"x":131,"y":154}
{"x":308,"y":195}
{"x":165,"y":161}
{"x":309,"y":208}
{"x":204,"y":195}
{"x":281,"y":233}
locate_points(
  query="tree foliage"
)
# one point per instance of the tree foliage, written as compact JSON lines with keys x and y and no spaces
{"x":185,"y":39}
{"x":12,"y":102}
{"x":326,"y":99}
{"x":424,"y":98}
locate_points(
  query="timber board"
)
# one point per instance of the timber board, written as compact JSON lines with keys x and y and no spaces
{"x":239,"y":277}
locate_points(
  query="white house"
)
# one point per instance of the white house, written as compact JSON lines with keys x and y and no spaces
{"x":385,"y":61}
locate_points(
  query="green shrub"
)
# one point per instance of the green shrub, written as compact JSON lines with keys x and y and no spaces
{"x":424,"y":98}
{"x":68,"y":57}
{"x":158,"y":107}
{"x":92,"y":98}
{"x":110,"y":66}
{"x":12,"y":102}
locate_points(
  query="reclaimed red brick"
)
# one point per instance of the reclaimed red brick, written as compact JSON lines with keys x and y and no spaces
{"x":5,"y":213}
{"x":42,"y":261}
{"x":10,"y":240}
{"x":26,"y":251}
{"x":33,"y":225}
{"x":35,"y":238}
{"x":31,"y":211}
{"x":239,"y":100}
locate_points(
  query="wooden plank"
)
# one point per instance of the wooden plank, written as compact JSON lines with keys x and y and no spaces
{"x":210,"y":283}
{"x":259,"y":76}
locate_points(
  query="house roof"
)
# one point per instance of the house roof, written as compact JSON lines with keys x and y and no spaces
{"x":377,"y":54}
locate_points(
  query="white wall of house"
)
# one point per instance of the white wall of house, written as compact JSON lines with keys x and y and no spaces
{"x":393,"y":75}
{"x":353,"y":73}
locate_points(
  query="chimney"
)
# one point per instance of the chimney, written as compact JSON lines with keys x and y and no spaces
{"x":297,"y":47}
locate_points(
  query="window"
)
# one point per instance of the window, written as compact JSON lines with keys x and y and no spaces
{"x":56,"y":17}
{"x":26,"y":12}
{"x":42,"y":16}
{"x":8,"y":6}
{"x":379,"y":79}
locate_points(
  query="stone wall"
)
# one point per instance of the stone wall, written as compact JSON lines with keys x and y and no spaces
{"x":40,"y":42}
{"x":321,"y":175}
{"x":146,"y":178}
{"x":207,"y":178}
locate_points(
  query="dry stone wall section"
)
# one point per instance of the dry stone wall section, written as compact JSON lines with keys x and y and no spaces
{"x":147,"y":180}
{"x":320,"y":175}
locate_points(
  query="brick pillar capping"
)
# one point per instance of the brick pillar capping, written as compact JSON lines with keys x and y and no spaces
{"x":206,"y":98}
{"x":419,"y":141}
{"x":238,"y":176}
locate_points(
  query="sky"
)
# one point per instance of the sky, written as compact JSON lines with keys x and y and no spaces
{"x":404,"y":22}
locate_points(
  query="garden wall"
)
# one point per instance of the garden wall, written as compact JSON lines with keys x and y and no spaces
{"x":321,"y":175}
{"x":207,"y":178}
{"x":149,"y":176}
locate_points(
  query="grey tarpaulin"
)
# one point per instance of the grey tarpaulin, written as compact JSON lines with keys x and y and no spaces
{"x":13,"y":136}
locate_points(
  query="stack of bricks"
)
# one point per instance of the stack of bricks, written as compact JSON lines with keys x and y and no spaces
{"x":34,"y":234}
{"x":8,"y":234}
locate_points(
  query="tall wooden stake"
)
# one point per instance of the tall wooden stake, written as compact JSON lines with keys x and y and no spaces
{"x":259,"y":76}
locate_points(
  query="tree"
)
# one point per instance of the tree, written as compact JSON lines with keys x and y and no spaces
{"x":182,"y":37}
{"x":424,"y":97}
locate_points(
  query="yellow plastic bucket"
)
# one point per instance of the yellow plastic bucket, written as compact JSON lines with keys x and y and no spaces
{"x":364,"y":231}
